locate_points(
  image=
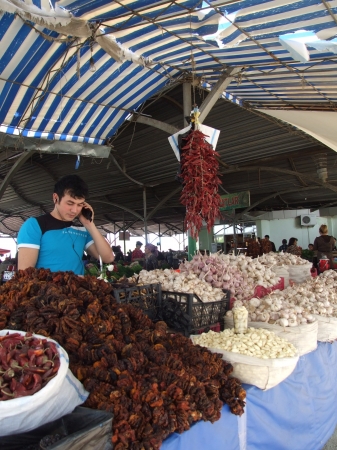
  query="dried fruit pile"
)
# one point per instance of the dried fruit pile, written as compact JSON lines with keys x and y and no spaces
{"x":154,"y":383}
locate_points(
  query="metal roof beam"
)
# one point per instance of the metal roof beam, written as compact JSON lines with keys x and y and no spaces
{"x":170,"y":129}
{"x":216,"y":91}
{"x":15,"y":168}
{"x":275,"y":169}
{"x":124,"y":208}
{"x":163,"y":201}
{"x":293,"y":167}
{"x":275,"y":194}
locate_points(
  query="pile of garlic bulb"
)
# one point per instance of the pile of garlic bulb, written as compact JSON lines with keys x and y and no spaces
{"x":240,"y":274}
{"x":297,"y":304}
{"x":256,"y":342}
{"x":181,"y":282}
{"x":281,"y":259}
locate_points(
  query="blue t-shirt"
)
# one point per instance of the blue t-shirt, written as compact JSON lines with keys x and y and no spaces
{"x":60,"y":243}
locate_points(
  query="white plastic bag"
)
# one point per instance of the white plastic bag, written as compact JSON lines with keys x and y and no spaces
{"x":282,"y":271}
{"x":59,"y":397}
{"x":300,"y":273}
{"x":327,"y":328}
{"x":303,"y":337}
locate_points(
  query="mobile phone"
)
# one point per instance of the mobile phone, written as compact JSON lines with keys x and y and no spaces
{"x":87,"y":213}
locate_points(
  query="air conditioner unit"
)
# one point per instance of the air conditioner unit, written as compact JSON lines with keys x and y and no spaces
{"x":308,"y":221}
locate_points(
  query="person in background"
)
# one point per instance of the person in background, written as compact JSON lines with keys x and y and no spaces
{"x":137,"y":254}
{"x":311,"y":247}
{"x":54,"y":241}
{"x":151,"y":257}
{"x":267,"y":245}
{"x":284,"y":246}
{"x":324,"y":244}
{"x":119,"y":256}
{"x":128,"y":257}
{"x":253,"y":247}
{"x":293,"y":248}
{"x":334,"y":248}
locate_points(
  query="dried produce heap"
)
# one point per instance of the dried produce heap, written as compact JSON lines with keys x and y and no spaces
{"x":154,"y":383}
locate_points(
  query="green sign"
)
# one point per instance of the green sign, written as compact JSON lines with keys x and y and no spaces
{"x":234,"y":201}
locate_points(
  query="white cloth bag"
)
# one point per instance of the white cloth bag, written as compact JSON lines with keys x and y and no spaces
{"x":262,"y":373}
{"x":327,"y":328}
{"x":59,"y":397}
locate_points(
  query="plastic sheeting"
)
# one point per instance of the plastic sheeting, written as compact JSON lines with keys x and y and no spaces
{"x":319,"y":124}
{"x":300,"y":413}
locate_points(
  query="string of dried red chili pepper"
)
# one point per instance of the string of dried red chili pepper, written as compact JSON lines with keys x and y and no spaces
{"x":199,"y":174}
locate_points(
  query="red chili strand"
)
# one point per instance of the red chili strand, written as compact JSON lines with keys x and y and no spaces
{"x":199,"y":173}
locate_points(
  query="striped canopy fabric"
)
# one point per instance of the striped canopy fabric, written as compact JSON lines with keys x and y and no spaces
{"x":75,"y":70}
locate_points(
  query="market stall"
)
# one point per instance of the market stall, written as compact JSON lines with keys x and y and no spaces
{"x":298,"y":413}
{"x":159,"y":386}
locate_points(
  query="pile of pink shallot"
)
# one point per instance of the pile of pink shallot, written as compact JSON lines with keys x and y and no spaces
{"x":240,"y":274}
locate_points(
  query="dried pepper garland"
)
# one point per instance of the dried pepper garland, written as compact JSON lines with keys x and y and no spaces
{"x":199,"y":174}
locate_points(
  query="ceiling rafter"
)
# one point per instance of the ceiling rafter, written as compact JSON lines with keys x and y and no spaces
{"x":277,"y":170}
{"x":275,"y":194}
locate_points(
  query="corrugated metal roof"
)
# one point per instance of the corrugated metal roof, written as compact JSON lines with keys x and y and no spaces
{"x":247,"y":142}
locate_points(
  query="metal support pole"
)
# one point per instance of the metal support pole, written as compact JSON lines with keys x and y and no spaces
{"x":187,"y":102}
{"x":124,"y":232}
{"x":234,"y":234}
{"x":145,"y":213}
{"x":159,"y":236}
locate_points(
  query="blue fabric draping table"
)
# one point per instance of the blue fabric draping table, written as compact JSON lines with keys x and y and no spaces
{"x":298,"y":414}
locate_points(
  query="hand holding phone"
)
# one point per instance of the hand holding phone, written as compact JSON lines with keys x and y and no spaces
{"x":86,"y":213}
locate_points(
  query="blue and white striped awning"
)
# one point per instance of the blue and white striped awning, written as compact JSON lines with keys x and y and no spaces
{"x":74,"y":70}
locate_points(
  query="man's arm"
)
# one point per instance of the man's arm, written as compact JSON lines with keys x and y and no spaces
{"x":100,"y":247}
{"x":27,"y":257}
{"x":29,"y":241}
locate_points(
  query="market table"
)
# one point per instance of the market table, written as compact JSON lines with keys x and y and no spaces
{"x":300,"y":413}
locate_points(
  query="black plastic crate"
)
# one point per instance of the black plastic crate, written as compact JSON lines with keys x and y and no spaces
{"x":147,"y":298}
{"x":200,"y":315}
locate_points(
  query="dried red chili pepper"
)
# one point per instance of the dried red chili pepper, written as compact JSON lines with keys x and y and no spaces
{"x":199,"y":173}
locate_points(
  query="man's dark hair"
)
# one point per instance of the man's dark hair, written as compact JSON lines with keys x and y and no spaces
{"x":284,"y":241}
{"x":267,"y":236}
{"x":72,"y":185}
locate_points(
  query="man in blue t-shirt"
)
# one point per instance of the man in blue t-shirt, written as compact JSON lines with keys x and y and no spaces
{"x":54,"y":241}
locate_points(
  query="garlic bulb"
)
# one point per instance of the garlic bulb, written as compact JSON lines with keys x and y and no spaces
{"x":255,"y":342}
{"x":297,"y":304}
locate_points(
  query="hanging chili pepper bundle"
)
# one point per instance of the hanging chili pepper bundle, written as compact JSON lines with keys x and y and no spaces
{"x":199,"y":174}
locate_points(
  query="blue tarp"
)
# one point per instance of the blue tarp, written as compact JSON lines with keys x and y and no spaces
{"x":298,"y":414}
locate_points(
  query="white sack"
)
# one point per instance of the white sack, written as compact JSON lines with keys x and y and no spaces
{"x":262,"y":373}
{"x":327,"y":328}
{"x":303,"y":337}
{"x":59,"y":397}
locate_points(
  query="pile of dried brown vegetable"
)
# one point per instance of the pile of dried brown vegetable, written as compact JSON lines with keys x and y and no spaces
{"x":155,"y":383}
